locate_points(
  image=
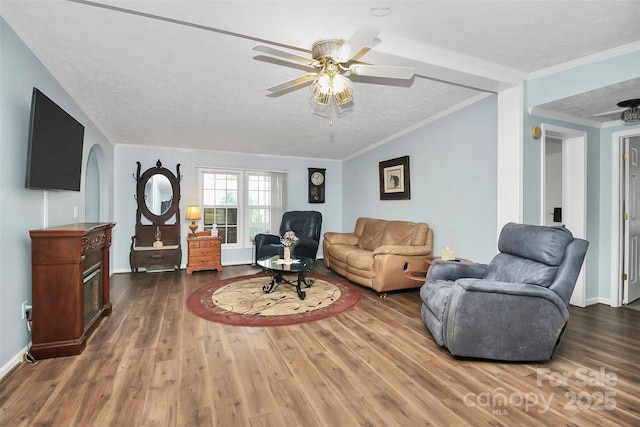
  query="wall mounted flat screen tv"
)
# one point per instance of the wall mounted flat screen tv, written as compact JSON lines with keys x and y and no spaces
{"x":55,"y":146}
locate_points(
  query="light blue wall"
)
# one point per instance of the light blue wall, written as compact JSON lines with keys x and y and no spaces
{"x":582,"y":79}
{"x":453,"y":181}
{"x":125,"y":205}
{"x":557,"y":86}
{"x":21,"y":209}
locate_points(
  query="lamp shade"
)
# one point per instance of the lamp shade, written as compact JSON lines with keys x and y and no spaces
{"x":193,"y":212}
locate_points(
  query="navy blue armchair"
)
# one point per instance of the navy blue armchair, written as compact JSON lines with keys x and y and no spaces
{"x":516,"y":307}
{"x":306,"y":224}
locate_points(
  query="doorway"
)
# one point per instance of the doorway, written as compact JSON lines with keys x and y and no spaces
{"x":624,"y":201}
{"x":92,"y":189}
{"x":97,"y":191}
{"x":563,"y":188}
{"x":552,"y":200}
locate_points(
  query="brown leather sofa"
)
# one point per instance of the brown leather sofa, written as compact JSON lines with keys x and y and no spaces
{"x":378,"y":252}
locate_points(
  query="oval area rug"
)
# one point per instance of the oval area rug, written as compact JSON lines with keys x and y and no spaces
{"x":241,"y":301}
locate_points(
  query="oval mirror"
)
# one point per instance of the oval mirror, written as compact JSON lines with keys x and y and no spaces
{"x":158,"y":194}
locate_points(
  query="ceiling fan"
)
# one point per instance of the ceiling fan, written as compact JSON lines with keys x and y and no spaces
{"x":629,"y":111}
{"x":332,"y":60}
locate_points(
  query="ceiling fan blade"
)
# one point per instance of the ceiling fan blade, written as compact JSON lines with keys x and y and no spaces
{"x":382,"y":71}
{"x":362,"y":38}
{"x":619,"y":110}
{"x":307,"y":78}
{"x":286,"y":55}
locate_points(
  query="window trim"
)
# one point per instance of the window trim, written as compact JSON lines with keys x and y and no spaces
{"x":243,"y":208}
{"x":202,"y":172}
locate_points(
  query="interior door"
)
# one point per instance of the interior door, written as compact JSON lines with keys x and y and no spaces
{"x":632,"y":220}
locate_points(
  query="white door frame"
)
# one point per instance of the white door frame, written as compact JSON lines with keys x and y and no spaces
{"x":616,"y":251}
{"x":574,"y":183}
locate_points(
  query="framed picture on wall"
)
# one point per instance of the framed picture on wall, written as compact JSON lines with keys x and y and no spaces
{"x":395,"y":183}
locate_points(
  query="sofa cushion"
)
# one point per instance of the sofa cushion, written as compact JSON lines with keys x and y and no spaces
{"x":372,"y":234}
{"x":341,"y":252}
{"x":420,"y":234}
{"x":398,"y":233}
{"x":360,"y":260}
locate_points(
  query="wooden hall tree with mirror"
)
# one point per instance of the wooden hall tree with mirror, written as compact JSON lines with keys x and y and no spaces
{"x":156,"y":242}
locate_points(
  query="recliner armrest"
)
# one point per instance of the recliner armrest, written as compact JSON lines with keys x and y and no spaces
{"x":334,"y":238}
{"x":452,"y":271}
{"x":501,"y":289}
{"x":266,"y":239}
{"x":263,"y":241}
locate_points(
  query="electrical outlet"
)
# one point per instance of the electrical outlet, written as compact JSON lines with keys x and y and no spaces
{"x":23,"y":309}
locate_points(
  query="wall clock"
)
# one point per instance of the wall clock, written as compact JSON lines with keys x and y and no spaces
{"x":316,"y":185}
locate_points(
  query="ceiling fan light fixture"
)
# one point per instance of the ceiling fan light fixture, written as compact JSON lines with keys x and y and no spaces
{"x":321,"y":99}
{"x":321,"y":88}
{"x":327,"y":85}
{"x":341,"y":89}
{"x":631,"y":116}
{"x":330,"y":86}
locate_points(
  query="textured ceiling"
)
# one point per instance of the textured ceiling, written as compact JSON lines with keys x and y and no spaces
{"x":184,"y":73}
{"x":598,"y":105}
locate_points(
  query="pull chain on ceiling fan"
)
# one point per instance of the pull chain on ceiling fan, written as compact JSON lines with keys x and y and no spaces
{"x":333,"y":60}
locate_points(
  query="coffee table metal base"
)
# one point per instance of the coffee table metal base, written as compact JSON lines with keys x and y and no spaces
{"x":278,"y":278}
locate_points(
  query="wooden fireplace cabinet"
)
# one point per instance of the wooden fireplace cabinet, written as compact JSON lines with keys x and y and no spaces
{"x":69,"y":286}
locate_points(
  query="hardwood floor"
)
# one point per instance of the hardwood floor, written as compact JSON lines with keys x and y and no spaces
{"x":152,"y":363}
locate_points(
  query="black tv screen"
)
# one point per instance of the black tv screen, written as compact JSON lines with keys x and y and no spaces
{"x":55,"y":146}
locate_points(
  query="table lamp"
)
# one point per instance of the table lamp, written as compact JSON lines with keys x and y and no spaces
{"x":193,"y":213}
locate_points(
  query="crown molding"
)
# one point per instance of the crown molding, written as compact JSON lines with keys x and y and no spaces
{"x":586,"y":60}
{"x":563,"y":117}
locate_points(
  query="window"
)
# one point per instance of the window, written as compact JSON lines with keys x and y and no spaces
{"x":241,"y":204}
{"x":259,"y":203}
{"x":220,"y":204}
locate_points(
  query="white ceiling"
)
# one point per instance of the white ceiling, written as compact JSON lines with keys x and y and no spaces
{"x":184,"y":73}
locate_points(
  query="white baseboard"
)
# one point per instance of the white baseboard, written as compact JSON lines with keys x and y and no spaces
{"x":12,"y":363}
{"x":598,"y":300}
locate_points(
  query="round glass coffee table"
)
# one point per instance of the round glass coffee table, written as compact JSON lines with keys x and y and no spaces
{"x":300,"y":265}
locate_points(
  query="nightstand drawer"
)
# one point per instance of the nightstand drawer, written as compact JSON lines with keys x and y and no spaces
{"x":197,"y":263}
{"x":200,"y":253}
{"x":203,"y":244}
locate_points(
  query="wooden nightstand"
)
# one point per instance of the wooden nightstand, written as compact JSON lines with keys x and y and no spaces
{"x":204,"y":253}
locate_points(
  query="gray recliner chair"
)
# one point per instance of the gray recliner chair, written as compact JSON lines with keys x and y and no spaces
{"x":513,"y":309}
